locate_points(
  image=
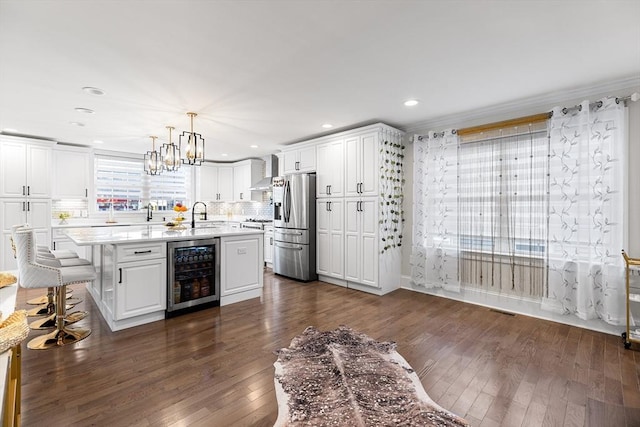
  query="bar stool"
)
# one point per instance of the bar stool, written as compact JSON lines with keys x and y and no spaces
{"x":32,"y":274}
{"x":62,"y":258}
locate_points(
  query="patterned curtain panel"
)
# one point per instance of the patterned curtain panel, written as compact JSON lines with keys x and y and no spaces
{"x":587,"y":182}
{"x":434,"y":255}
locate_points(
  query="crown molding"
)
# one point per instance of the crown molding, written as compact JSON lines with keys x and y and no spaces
{"x":529,"y":105}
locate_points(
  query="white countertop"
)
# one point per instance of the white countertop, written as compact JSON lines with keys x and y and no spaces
{"x":84,"y":236}
{"x":92,"y":222}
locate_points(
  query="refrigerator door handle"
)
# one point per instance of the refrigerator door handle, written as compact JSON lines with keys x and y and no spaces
{"x":292,"y":246}
{"x":291,"y":233}
{"x":287,"y":197}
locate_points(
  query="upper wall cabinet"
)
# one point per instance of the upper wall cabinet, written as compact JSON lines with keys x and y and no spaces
{"x":26,"y":168}
{"x":330,"y":169}
{"x":299,"y":160}
{"x":361,"y":165}
{"x":245,"y":174}
{"x":216,"y":183}
{"x":72,"y":171}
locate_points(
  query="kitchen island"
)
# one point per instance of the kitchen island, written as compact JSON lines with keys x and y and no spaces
{"x":132,"y":265}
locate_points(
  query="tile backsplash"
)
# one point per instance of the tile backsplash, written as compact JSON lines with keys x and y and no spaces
{"x":80,"y":208}
{"x":251,"y":209}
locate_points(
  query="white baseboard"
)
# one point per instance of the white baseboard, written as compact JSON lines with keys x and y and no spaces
{"x":546,"y":310}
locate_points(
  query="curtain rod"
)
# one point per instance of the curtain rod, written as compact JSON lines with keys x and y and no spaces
{"x":527,"y":120}
{"x":536,"y":118}
{"x":633,"y":97}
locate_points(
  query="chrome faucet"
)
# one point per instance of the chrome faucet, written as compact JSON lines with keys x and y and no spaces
{"x":149,"y":212}
{"x":193,"y":213}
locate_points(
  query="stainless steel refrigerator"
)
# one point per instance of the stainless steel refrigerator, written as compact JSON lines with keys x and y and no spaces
{"x":294,"y":226}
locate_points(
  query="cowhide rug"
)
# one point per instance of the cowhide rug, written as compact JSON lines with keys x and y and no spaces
{"x":345,"y":378}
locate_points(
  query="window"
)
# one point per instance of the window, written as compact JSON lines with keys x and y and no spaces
{"x":503,"y":192}
{"x":122,"y":183}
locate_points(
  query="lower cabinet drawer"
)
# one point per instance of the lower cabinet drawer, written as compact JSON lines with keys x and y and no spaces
{"x":141,"y":251}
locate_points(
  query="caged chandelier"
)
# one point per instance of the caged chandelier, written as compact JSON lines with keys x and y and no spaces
{"x":171,"y":154}
{"x":193,"y":145}
{"x":153,"y":160}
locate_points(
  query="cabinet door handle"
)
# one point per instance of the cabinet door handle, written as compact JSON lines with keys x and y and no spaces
{"x":120,"y":280}
{"x":28,"y":190}
{"x":24,"y":191}
{"x":361,"y":207}
{"x":271,"y":241}
{"x":54,"y":246}
{"x":240,"y":196}
{"x":28,"y":206}
{"x":86,"y":192}
{"x":142,"y":252}
{"x":297,"y":166}
{"x":329,"y":206}
{"x":24,"y":206}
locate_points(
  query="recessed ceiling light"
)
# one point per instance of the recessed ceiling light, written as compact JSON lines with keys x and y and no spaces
{"x":327,"y":125}
{"x":253,"y":146}
{"x":93,"y":90}
{"x":97,"y":141}
{"x":224,"y":154}
{"x":411,"y":102}
{"x":84,"y":110}
{"x":9,"y":130}
{"x":76,"y":124}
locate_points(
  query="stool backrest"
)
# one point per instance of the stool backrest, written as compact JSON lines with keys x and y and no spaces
{"x":31,"y":274}
{"x":15,"y":228}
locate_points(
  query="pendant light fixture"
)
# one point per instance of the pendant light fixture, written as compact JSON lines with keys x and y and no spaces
{"x":194,"y":145}
{"x":171,"y":154}
{"x":153,"y":160}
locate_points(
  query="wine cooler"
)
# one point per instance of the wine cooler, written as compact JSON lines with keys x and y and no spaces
{"x":193,"y":275}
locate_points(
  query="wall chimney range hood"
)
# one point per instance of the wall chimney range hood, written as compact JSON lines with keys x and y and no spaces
{"x":271,"y":170}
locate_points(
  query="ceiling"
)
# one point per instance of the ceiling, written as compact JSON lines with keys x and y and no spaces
{"x":268,"y":73}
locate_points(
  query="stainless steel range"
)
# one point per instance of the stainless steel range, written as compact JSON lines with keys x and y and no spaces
{"x":256,"y":223}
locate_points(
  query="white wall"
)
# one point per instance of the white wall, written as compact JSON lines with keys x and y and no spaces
{"x":532,"y":106}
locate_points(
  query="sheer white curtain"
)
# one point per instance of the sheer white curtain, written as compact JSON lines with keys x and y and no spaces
{"x":434,"y":255}
{"x":502,"y":186}
{"x":587,"y":200}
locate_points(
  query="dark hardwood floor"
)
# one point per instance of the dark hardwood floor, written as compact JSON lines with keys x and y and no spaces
{"x":215,"y":367}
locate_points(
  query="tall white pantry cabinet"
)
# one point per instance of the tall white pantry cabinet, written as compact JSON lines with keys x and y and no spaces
{"x":350,"y":247}
{"x":25,"y":190}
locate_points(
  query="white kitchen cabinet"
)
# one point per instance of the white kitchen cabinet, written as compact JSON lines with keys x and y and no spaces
{"x":330,"y":237}
{"x":216,"y":183}
{"x":26,"y":168}
{"x":361,"y":241}
{"x":141,"y":288}
{"x":25,"y":190}
{"x":245,"y":174}
{"x":241,"y":267}
{"x":35,"y":212}
{"x":134,"y":284}
{"x":268,"y":245}
{"x":72,"y":173}
{"x":298,"y":160}
{"x":361,"y":165}
{"x":330,"y":169}
{"x":60,"y":241}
